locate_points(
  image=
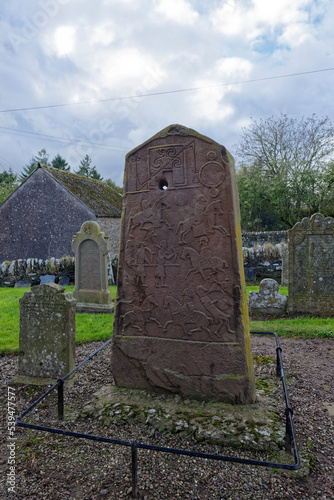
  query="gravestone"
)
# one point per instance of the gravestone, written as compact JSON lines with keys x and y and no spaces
{"x":311,"y":266}
{"x":181,"y":321}
{"x":64,"y":280}
{"x":22,"y":284}
{"x":47,"y":278}
{"x":47,"y":335}
{"x":91,"y":247}
{"x":267,"y":300}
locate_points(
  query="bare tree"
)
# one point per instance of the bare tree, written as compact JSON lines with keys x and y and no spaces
{"x":290,"y":164}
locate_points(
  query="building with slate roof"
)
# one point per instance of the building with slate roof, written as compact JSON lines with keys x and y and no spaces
{"x":40,"y":218}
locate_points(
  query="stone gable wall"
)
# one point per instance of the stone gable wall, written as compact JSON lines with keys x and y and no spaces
{"x":111,"y":228}
{"x":39,"y":219}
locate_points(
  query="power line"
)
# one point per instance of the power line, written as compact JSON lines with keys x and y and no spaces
{"x":54,"y":138}
{"x":152,"y":94}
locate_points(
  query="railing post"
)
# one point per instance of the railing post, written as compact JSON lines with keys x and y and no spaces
{"x":61,"y":400}
{"x":134,"y":451}
{"x":278,"y":362}
{"x":288,"y":430}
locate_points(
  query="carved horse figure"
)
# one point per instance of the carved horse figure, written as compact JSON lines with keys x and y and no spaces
{"x":187,"y":314}
{"x":215,"y":307}
{"x":140,"y":315}
{"x":204,"y":222}
{"x":199,"y":264}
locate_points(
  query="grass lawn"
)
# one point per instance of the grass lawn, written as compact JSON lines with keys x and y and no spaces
{"x":93,"y":327}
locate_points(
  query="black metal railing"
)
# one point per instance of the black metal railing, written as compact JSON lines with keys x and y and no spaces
{"x":290,"y":436}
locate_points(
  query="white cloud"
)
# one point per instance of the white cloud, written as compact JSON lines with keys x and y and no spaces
{"x":178,"y":11}
{"x":296,"y":34}
{"x":103,"y":34}
{"x":235,"y":67}
{"x":64,"y":39}
{"x":255,"y":19}
{"x":212,"y":103}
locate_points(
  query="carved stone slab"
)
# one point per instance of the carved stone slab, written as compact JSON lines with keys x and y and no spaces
{"x":181,"y":321}
{"x":91,"y":247}
{"x":311,"y":266}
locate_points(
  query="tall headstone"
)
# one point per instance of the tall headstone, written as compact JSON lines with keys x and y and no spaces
{"x":91,"y":248}
{"x":181,"y":321}
{"x":47,"y":335}
{"x":311,"y":266}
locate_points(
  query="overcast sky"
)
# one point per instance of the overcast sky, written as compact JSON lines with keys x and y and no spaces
{"x":90,"y":56}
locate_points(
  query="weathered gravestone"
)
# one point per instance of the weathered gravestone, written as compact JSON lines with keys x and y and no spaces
{"x":267,"y":300}
{"x":181,"y":322}
{"x":91,"y":247}
{"x":311,"y":266}
{"x":47,"y":335}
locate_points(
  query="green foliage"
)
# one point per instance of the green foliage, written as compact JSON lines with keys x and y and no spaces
{"x":60,"y":163}
{"x":8,"y":183}
{"x":113,"y":185}
{"x":287,"y":171}
{"x":42,"y":158}
{"x":86,"y":170}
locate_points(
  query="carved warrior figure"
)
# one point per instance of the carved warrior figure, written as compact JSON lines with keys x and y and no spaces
{"x":181,"y":297}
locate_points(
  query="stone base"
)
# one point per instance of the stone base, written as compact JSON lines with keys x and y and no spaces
{"x":201,"y":370}
{"x":90,"y":308}
{"x":26,"y":380}
{"x":251,"y":427}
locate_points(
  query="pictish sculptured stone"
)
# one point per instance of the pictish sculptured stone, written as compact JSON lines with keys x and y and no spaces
{"x":181,"y":320}
{"x":47,"y":335}
{"x":91,"y":248}
{"x":311,"y":266}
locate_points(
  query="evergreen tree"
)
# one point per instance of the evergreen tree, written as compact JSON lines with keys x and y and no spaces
{"x":87,"y":171}
{"x":60,"y":163}
{"x":42,"y":158}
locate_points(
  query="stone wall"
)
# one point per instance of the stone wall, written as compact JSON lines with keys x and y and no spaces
{"x":249,"y":239}
{"x":263,"y":261}
{"x":16,"y":272}
{"x":260,"y":261}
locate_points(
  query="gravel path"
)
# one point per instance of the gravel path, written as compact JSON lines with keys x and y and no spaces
{"x":52,"y":466}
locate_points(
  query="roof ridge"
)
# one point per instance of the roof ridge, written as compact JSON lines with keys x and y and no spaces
{"x":98,"y":196}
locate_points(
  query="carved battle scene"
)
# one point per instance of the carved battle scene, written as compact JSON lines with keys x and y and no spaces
{"x":173,"y":248}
